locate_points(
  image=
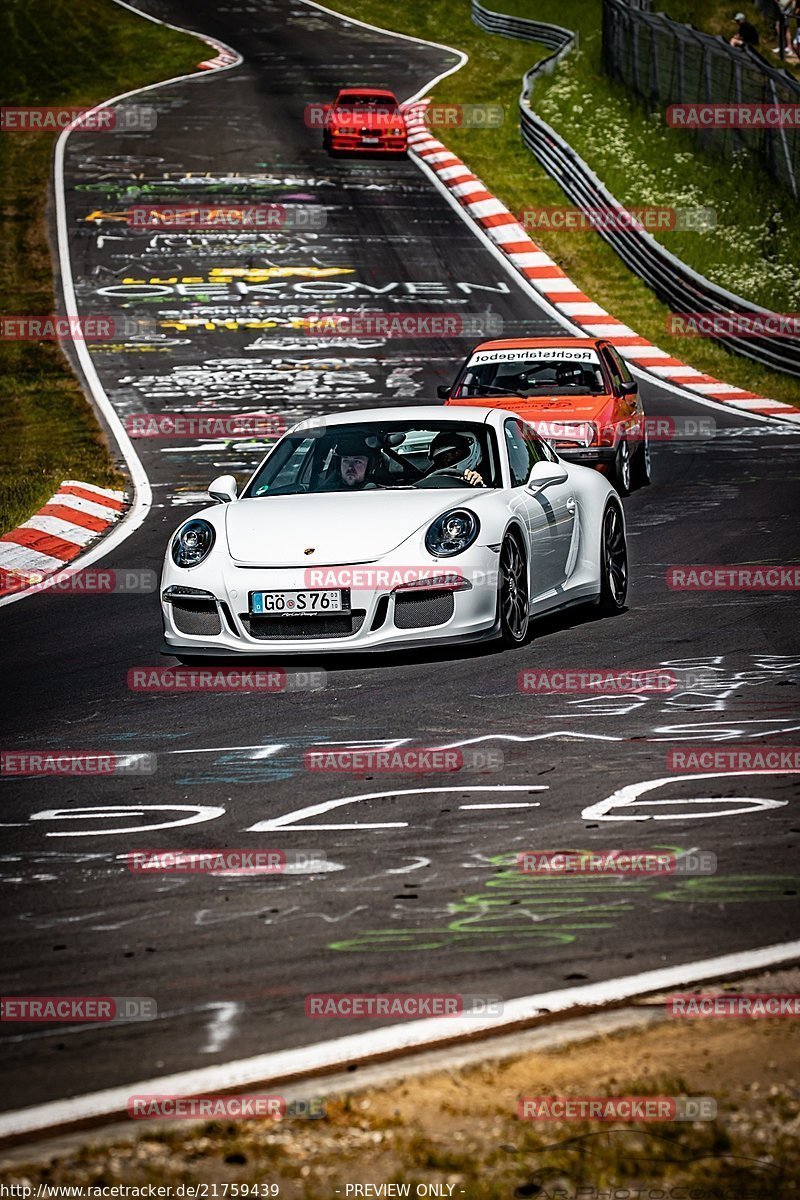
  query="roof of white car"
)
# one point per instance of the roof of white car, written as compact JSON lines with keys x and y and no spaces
{"x":421,"y":412}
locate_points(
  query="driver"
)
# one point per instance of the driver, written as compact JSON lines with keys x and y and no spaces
{"x":356,"y":458}
{"x":456,"y":454}
{"x":569,"y":375}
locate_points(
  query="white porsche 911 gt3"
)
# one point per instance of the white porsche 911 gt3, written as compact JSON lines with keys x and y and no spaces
{"x":387,"y":527}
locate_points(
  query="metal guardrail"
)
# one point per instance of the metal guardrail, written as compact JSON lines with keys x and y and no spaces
{"x":552,"y":36}
{"x":673,"y":281}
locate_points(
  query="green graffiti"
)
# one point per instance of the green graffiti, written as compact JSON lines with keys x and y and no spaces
{"x":515,"y":909}
{"x":731,"y":889}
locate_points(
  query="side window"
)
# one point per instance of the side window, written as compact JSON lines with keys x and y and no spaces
{"x":613,"y":369}
{"x":292,"y":468}
{"x":523,"y":450}
{"x":622,"y":366}
{"x":548,"y":452}
{"x":537,"y":448}
{"x":617,"y":367}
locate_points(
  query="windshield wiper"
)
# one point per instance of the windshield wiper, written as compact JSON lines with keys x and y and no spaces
{"x":491,"y":387}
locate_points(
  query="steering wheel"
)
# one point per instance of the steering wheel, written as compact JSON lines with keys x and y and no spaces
{"x":440,"y":478}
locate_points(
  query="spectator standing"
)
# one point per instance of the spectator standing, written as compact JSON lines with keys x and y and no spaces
{"x":786,"y":10}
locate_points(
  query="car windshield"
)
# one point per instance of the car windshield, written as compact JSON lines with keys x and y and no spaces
{"x":378,"y":456}
{"x":352,"y":100}
{"x":532,"y":372}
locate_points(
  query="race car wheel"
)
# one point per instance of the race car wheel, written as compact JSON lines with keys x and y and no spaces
{"x":640,"y":466}
{"x":613,"y":562}
{"x":621,"y":474}
{"x":512,"y":594}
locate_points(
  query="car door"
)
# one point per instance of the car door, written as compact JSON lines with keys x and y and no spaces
{"x":548,"y":515}
{"x":628,"y":408}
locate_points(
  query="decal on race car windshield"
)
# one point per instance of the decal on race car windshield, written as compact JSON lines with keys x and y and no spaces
{"x":534,"y":354}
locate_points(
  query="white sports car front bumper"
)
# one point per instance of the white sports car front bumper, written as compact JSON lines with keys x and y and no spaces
{"x":206,"y":609}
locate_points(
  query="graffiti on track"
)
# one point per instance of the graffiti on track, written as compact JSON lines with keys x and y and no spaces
{"x":514,"y":911}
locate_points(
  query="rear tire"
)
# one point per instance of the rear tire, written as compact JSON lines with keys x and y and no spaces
{"x":613,"y":562}
{"x":621,"y":471}
{"x":512,"y":594}
{"x":640,"y":466}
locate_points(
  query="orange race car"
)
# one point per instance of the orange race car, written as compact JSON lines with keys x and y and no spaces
{"x":365,"y":119}
{"x":577,"y":392}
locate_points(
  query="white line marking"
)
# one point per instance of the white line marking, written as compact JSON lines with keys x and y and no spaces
{"x":521,"y":804}
{"x":629,"y":795}
{"x":338,"y":1053}
{"x":357,"y":825}
{"x":316,"y":810}
{"x":220,"y":1028}
{"x":418,"y":862}
{"x":200,"y":813}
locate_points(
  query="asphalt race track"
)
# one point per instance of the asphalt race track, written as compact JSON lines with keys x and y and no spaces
{"x":412,"y":889}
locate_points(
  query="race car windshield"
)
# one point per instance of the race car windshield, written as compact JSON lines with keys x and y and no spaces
{"x":349,"y":100}
{"x":370,"y":457}
{"x":533,"y":377}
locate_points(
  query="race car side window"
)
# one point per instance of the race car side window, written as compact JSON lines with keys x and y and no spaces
{"x":524,"y":450}
{"x":613,"y":370}
{"x":538,"y":446}
{"x":297,"y":463}
{"x":620,"y":364}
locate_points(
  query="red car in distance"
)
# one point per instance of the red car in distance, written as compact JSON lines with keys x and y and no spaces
{"x":576,"y":392}
{"x":364,"y":120}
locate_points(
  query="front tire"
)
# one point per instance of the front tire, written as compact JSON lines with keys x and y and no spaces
{"x":613,"y":562}
{"x":621,"y":472}
{"x":640,"y":466}
{"x":513,"y":599}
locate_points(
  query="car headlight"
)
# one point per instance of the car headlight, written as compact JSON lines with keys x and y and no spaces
{"x":192,"y":543}
{"x":397,"y":132}
{"x":582,"y":433}
{"x":344,"y":129}
{"x":451,"y":533}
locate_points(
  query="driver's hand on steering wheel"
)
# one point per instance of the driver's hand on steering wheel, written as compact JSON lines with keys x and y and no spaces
{"x":474,"y":479}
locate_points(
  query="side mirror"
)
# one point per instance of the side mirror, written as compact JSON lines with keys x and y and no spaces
{"x":545,"y":474}
{"x":628,"y":389}
{"x":223,"y":489}
{"x":443,"y":391}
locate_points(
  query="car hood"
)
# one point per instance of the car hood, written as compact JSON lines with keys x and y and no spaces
{"x":333,"y":528}
{"x":546,"y":408}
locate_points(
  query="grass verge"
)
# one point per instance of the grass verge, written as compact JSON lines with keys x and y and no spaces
{"x":57,"y":53}
{"x":754,"y":236}
{"x":458,"y":1130}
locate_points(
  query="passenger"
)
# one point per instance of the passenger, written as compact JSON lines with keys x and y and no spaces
{"x":356,"y":458}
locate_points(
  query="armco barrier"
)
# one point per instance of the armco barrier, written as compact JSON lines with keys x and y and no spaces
{"x":676,"y":284}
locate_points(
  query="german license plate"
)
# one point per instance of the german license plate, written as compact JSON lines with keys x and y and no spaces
{"x":299,"y":604}
{"x":371,"y":141}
